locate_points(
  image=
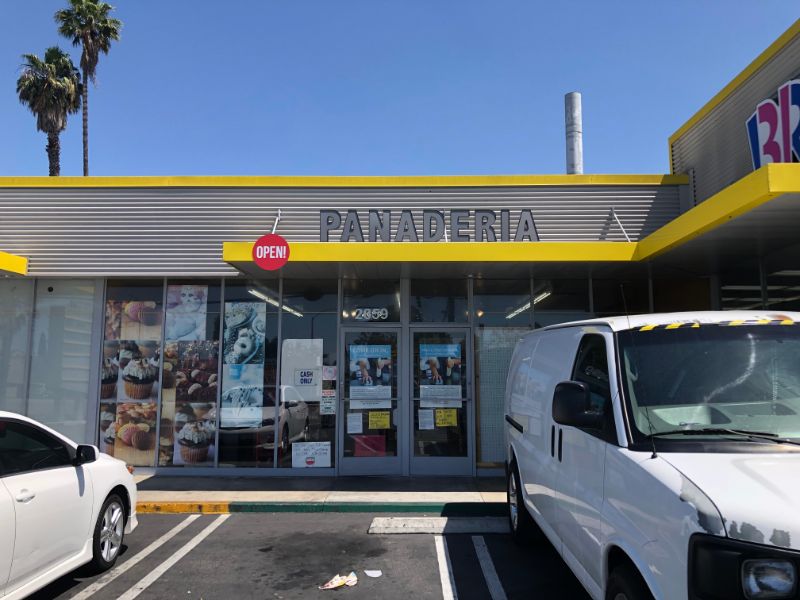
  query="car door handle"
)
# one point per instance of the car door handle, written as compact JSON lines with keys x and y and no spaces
{"x":25,"y":496}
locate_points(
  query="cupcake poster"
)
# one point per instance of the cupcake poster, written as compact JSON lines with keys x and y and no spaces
{"x":136,"y":369}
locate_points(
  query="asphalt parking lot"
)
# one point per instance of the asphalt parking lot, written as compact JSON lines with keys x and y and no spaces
{"x":288,"y":555}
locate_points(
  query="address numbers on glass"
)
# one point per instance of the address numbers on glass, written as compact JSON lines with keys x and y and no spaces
{"x":370,"y":314}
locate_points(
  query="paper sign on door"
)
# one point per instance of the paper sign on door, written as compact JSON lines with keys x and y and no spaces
{"x":379,"y":419}
{"x":446,"y":417}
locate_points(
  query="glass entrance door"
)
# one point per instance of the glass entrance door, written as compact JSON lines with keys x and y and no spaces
{"x":442,"y":408}
{"x":372,"y":416}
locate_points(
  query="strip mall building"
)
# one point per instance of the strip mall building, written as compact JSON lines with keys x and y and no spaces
{"x":136,"y":315}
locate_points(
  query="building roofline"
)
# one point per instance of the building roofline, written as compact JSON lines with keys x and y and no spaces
{"x":234,"y":181}
{"x":737,"y":81}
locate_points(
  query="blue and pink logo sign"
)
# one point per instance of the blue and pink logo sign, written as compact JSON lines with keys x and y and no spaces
{"x":774,"y":128}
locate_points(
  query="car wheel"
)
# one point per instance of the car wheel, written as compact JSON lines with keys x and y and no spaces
{"x":520,"y":521}
{"x":109,"y":532}
{"x":625,"y":583}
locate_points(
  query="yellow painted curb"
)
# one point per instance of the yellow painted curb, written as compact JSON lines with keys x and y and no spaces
{"x":206,"y":508}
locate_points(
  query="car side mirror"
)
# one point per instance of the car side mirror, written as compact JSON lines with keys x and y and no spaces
{"x":571,"y":406}
{"x":84,"y":454}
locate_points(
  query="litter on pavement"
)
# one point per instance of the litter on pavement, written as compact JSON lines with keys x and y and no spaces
{"x":341,"y":581}
{"x":377,"y":573}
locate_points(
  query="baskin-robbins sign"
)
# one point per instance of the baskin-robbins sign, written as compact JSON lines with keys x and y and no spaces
{"x":488,"y":225}
{"x":773,"y":129}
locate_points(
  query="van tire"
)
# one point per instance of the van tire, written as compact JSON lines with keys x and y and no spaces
{"x":626,"y":583}
{"x":520,"y":522}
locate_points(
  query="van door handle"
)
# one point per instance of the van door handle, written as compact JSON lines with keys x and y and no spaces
{"x":25,"y":496}
{"x":552,"y":440}
{"x":560,"y":431}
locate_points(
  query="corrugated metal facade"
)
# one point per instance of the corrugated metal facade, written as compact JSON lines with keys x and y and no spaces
{"x":716,"y":147}
{"x":173,"y":231}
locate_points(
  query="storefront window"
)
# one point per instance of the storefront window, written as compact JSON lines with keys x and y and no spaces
{"x":249,"y":361}
{"x":16,"y":312}
{"x":129,"y":386}
{"x":438,"y":301}
{"x":371,"y":300}
{"x":680,"y":294}
{"x":502,"y":303}
{"x":189,"y":380}
{"x":308,"y":396}
{"x":614,"y":297}
{"x":61,"y":351}
{"x":559,"y":301}
{"x":783,"y":290}
{"x":493,"y":349}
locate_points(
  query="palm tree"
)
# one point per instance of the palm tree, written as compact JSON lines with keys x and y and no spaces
{"x":51,"y":89}
{"x":87,"y":23}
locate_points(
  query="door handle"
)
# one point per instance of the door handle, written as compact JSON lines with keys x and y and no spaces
{"x":25,"y":495}
{"x":560,"y":431}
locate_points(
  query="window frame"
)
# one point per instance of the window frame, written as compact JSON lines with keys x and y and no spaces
{"x":71,"y":451}
{"x":609,"y":432}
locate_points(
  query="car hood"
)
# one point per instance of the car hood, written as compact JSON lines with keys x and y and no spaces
{"x":757,"y":495}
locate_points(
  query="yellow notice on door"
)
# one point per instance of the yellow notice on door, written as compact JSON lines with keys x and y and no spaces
{"x":379,"y":419}
{"x":446,"y":417}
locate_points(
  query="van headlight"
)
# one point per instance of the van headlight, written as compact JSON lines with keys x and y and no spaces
{"x":765,"y":578}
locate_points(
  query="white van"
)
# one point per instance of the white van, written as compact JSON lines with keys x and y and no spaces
{"x":660,"y":454}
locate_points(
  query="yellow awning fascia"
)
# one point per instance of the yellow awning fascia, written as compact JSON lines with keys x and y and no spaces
{"x":767,"y":183}
{"x":234,"y":181}
{"x":750,"y":192}
{"x":396,"y":252}
{"x":13,"y":264}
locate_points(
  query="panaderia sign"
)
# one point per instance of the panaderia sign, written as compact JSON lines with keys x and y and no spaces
{"x":488,"y":225}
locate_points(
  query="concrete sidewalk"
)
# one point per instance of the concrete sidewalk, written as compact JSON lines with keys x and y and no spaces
{"x":446,"y":496}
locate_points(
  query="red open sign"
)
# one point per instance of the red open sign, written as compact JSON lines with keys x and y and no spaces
{"x":271,"y":252}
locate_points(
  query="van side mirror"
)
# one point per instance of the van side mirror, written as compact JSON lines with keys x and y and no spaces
{"x":84,"y":454}
{"x":571,"y":406}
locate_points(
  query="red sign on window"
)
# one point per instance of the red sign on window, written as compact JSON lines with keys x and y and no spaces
{"x":271,"y":252}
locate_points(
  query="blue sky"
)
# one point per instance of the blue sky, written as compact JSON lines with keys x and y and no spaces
{"x":386,"y":87}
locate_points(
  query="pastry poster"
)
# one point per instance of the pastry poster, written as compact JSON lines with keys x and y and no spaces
{"x":189,"y":403}
{"x":370,"y":371}
{"x":243,"y":405}
{"x":186,"y":313}
{"x":245,"y":329}
{"x":440,"y":371}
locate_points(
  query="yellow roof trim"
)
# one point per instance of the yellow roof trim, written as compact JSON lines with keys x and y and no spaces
{"x":13,"y":264}
{"x":241,"y":252}
{"x":754,"y":66}
{"x":234,"y":181}
{"x":768,"y":182}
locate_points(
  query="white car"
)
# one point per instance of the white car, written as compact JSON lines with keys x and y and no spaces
{"x":62,"y":505}
{"x":660,"y":454}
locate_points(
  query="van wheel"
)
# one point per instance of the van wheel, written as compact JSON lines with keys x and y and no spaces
{"x":625,"y":583}
{"x":519,"y":519}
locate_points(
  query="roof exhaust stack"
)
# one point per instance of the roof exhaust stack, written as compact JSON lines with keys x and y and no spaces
{"x":573,"y":119}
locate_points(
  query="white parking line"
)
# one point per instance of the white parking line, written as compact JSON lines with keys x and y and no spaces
{"x":487,"y":566}
{"x":445,"y":569}
{"x":134,"y":560}
{"x":151,"y":577}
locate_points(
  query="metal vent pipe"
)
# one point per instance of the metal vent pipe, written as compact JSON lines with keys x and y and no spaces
{"x":573,"y":118}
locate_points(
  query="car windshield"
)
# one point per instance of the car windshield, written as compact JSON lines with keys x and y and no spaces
{"x":714,"y":377}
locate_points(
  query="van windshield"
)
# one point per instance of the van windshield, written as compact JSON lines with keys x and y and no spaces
{"x":713,"y":377}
